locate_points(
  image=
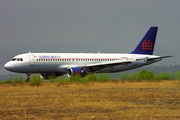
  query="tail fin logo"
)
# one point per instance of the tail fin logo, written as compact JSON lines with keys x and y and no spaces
{"x":147,"y":45}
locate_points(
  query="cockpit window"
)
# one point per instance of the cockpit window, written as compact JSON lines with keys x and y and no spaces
{"x":17,"y":59}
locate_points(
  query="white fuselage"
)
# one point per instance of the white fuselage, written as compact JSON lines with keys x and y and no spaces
{"x":59,"y":62}
{"x":82,"y":63}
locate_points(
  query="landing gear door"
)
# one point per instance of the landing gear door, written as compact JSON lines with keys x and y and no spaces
{"x":31,"y":60}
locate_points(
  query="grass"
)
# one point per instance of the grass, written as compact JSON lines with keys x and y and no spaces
{"x":92,"y":97}
{"x":100,"y":100}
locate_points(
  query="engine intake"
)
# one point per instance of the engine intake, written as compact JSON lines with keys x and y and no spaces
{"x":76,"y":71}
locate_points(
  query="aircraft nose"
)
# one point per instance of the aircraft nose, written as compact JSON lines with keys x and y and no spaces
{"x":8,"y":66}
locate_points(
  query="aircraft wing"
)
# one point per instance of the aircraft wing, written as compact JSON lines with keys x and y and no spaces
{"x":99,"y":66}
{"x":153,"y":58}
{"x":159,"y":57}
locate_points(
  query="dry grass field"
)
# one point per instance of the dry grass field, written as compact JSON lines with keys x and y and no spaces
{"x":91,"y":101}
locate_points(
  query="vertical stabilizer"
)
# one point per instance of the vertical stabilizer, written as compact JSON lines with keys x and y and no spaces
{"x":146,"y":45}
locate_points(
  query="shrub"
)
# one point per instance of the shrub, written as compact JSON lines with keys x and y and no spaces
{"x":52,"y":79}
{"x":90,"y":77}
{"x":164,"y":76}
{"x":124,"y":76}
{"x":145,"y":75}
{"x":62,"y":81}
{"x":102,"y":77}
{"x":75,"y":78}
{"x":1,"y":83}
{"x":36,"y":80}
{"x":132,"y":76}
{"x":178,"y":75}
{"x":7,"y":81}
{"x":78,"y":79}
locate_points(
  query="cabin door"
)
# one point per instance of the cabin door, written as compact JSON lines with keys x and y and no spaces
{"x":31,"y":60}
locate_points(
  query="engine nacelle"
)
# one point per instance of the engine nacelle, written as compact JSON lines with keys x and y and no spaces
{"x":76,"y":71}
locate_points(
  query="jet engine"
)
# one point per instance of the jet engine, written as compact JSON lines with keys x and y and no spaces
{"x":76,"y":71}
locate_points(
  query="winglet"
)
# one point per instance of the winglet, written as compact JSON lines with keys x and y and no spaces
{"x":146,"y":45}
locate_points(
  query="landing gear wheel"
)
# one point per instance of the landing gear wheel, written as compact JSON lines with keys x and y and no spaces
{"x":28,"y":77}
{"x":27,"y":80}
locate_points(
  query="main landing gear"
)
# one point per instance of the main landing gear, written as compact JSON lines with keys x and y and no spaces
{"x":28,"y":77}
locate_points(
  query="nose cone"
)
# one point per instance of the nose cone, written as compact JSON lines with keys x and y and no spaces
{"x":8,"y":66}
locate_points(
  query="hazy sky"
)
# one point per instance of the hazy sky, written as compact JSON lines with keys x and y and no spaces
{"x":87,"y":26}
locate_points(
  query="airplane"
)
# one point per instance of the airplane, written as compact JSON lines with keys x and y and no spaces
{"x":71,"y":64}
